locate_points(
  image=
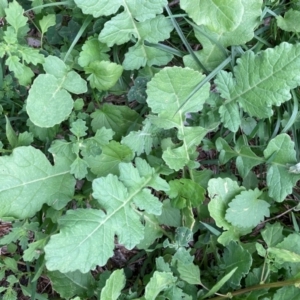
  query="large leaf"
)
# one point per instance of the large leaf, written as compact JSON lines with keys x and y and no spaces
{"x":282,"y":154}
{"x":86,"y":237}
{"x":174,"y":85}
{"x":218,"y":15}
{"x":28,"y":180}
{"x":49,"y":101}
{"x":113,"y":286}
{"x":261,"y":81}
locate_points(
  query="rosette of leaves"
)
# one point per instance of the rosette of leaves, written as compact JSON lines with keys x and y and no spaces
{"x":13,"y":46}
{"x":140,"y":21}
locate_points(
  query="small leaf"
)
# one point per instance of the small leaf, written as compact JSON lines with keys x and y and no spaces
{"x":104,"y":74}
{"x":78,"y":128}
{"x":272,"y":234}
{"x":279,"y":180}
{"x":14,"y":15}
{"x":113,"y":286}
{"x":46,"y":22}
{"x":290,"y":21}
{"x":247,"y":210}
{"x":160,"y":281}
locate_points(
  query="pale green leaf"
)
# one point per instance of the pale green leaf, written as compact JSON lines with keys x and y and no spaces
{"x":141,"y":55}
{"x":14,"y":15}
{"x":116,"y":117}
{"x":92,"y":50}
{"x":185,"y":192}
{"x":271,"y":74}
{"x":279,"y":180}
{"x":288,"y":250}
{"x":113,"y":286}
{"x":170,"y":216}
{"x":160,"y":281}
{"x":86,"y":237}
{"x":188,"y":271}
{"x":79,"y":168}
{"x":108,"y":161}
{"x":272,"y":234}
{"x":10,"y":134}
{"x":145,"y":10}
{"x":217,"y":15}
{"x":71,"y":284}
{"x":247,"y":210}
{"x":29,"y":180}
{"x":214,"y":44}
{"x":49,"y":102}
{"x":221,"y":192}
{"x":46,"y":22}
{"x":230,"y":116}
{"x":235,"y":256}
{"x":78,"y":128}
{"x":290,"y":21}
{"x":103,"y":74}
{"x":226,"y":153}
{"x":174,"y":85}
{"x":34,"y":250}
{"x":3,"y":5}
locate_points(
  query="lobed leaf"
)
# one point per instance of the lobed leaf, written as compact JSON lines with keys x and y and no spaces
{"x":86,"y":237}
{"x":261,"y":80}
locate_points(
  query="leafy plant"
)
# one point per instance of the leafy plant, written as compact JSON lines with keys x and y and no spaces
{"x":149,"y":150}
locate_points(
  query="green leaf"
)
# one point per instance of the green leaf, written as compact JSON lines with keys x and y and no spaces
{"x":221,"y":192}
{"x":288,"y":250}
{"x":86,"y":237}
{"x":235,"y":256}
{"x":29,"y":180}
{"x":10,"y":134}
{"x":108,"y":161}
{"x":160,"y":281}
{"x":287,"y":292}
{"x":78,"y":128}
{"x":271,"y":73}
{"x":138,"y":20}
{"x":79,"y":168}
{"x":71,"y":284}
{"x":3,"y":5}
{"x":174,"y":85}
{"x":113,"y":286}
{"x":280,"y":181}
{"x":92,"y":50}
{"x":217,"y":15}
{"x":226,"y":153}
{"x":34,"y":250}
{"x":46,"y":22}
{"x":183,"y":261}
{"x":104,"y":74}
{"x":14,"y":15}
{"x":119,"y":118}
{"x":272,"y":234}
{"x":185,"y":192}
{"x":247,"y":210}
{"x":49,"y":102}
{"x":290,"y":21}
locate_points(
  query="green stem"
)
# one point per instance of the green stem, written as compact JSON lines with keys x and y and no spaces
{"x":257,"y":287}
